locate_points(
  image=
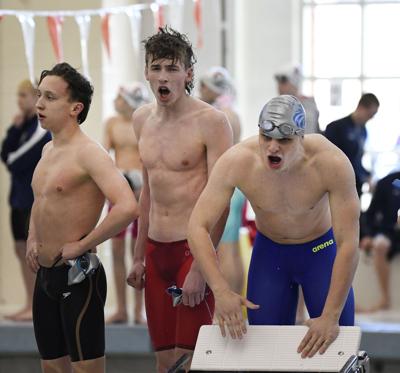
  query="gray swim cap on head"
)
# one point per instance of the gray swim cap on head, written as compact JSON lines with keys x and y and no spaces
{"x":282,"y":117}
{"x":218,"y":79}
{"x":135,"y":94}
{"x":290,"y":73}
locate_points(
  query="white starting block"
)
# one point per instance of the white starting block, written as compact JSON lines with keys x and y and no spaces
{"x":274,"y":349}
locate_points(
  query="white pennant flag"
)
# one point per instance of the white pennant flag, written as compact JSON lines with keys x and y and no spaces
{"x":176,"y":14}
{"x":155,"y":8}
{"x":83,"y":22}
{"x":135,"y":18}
{"x":28,"y":30}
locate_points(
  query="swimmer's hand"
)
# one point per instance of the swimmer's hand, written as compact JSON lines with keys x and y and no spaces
{"x":321,"y":333}
{"x":72,"y":250}
{"x":228,"y":312}
{"x":193,"y":288}
{"x":136,"y":276}
{"x":31,"y":256}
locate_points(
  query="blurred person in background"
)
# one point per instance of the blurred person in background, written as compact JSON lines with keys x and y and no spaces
{"x":349,"y":134}
{"x":20,"y":151}
{"x":217,"y":89}
{"x":382,"y":235}
{"x":120,"y":137}
{"x":289,"y":79}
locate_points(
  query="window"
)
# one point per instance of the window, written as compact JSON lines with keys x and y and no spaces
{"x":349,"y":47}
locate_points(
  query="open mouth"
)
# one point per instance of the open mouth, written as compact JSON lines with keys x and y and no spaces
{"x":41,"y":116}
{"x":274,"y":160}
{"x":164,"y":92}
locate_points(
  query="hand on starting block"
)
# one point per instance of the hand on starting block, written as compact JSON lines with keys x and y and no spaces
{"x":321,"y":333}
{"x":273,"y":348}
{"x":228,"y":312}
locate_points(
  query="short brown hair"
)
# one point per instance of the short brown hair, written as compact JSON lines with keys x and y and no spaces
{"x":367,"y":100}
{"x":170,"y":44}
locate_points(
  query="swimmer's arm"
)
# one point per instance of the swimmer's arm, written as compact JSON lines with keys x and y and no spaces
{"x":143,"y":227}
{"x":206,"y":214}
{"x":345,"y":211}
{"x":100,"y":167}
{"x":219,"y":138}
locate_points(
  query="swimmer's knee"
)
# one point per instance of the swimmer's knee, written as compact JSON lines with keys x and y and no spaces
{"x":60,"y":365}
{"x":381,"y":245}
{"x":92,"y":365}
{"x":165,"y":360}
{"x":381,"y":249}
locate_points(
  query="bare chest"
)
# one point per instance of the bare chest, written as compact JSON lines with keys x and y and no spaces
{"x":300,"y":195}
{"x":56,"y":178}
{"x":177,"y":151}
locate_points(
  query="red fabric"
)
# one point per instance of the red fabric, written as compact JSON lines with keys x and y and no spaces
{"x":105,"y":32}
{"x":160,"y":17}
{"x":199,"y":22}
{"x":167,"y":264}
{"x":54,"y":25}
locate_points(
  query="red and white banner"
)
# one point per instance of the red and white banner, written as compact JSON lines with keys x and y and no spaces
{"x":54,"y":24}
{"x":105,"y":32}
{"x":135,"y":19}
{"x":158,"y":14}
{"x":163,"y":12}
{"x":83,"y":22}
{"x":28,"y":30}
{"x":176,"y":8}
{"x":198,"y":19}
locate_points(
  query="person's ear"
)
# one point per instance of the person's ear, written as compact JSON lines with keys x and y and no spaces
{"x":77,"y":108}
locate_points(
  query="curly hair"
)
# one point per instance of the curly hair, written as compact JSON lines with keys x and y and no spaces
{"x":170,"y":44}
{"x":79,"y":87}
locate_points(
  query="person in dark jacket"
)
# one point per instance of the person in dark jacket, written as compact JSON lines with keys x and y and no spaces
{"x":382,"y":234}
{"x":349,"y":134}
{"x":21,"y":150}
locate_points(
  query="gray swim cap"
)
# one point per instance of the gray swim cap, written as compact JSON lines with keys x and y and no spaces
{"x":218,"y":79}
{"x":290,"y":73}
{"x":282,"y":117}
{"x":135,"y":94}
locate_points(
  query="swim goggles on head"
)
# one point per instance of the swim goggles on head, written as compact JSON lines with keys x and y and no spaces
{"x":286,"y":129}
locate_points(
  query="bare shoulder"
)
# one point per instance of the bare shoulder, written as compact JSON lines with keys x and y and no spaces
{"x":244,"y":151}
{"x":242,"y":156}
{"x":90,"y":151}
{"x":215,"y":117}
{"x":327,"y":157}
{"x":210,"y":121}
{"x":230,"y":113}
{"x":111,"y":121}
{"x":47,"y":146}
{"x":140,"y":116}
